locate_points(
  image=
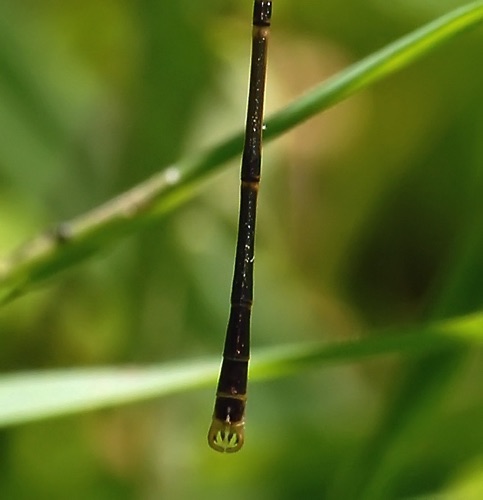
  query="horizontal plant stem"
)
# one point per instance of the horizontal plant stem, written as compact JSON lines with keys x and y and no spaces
{"x":73,"y":241}
{"x":32,"y":396}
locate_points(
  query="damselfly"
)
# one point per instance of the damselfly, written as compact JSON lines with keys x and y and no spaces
{"x":226,"y":433}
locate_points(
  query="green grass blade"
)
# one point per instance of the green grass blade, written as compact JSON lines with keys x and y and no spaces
{"x":32,"y":396}
{"x":52,"y":251}
{"x":376,"y":67}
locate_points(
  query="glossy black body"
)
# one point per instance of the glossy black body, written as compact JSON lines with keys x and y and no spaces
{"x":232,"y":385}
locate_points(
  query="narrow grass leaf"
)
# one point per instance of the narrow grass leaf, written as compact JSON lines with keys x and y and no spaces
{"x":84,"y":236}
{"x":33,"y":396}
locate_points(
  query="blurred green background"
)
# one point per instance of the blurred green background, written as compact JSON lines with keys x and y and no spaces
{"x":370,"y":216}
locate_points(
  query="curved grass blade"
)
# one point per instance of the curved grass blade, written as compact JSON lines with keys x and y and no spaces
{"x":56,"y":249}
{"x":34,"y":396}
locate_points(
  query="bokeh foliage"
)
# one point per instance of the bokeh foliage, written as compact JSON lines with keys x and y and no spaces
{"x":369,"y":217}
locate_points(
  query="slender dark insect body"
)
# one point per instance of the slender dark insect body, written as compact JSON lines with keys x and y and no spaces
{"x":226,"y":433}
